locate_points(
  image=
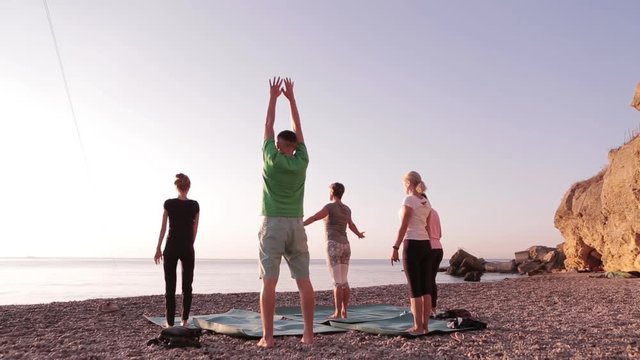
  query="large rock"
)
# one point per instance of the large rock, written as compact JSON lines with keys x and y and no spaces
{"x":500,"y":266}
{"x":599,"y":218}
{"x":540,"y":259}
{"x":473,"y":276}
{"x":538,"y":252}
{"x":464,"y":264}
{"x":531,"y":267}
{"x":462,"y":259}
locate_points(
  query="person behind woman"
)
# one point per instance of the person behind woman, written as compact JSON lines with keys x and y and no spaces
{"x":416,"y":250}
{"x":435,"y":233}
{"x":183,"y":215}
{"x":337,"y":216}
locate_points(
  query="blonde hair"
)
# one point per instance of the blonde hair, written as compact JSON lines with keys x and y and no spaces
{"x":415,"y":182}
{"x":182,"y":182}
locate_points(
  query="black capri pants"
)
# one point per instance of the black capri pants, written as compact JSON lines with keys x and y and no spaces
{"x":417,"y":263}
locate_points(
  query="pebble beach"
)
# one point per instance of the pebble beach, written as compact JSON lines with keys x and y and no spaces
{"x":552,"y":316}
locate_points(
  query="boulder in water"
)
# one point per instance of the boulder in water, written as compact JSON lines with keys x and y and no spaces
{"x":473,"y":276}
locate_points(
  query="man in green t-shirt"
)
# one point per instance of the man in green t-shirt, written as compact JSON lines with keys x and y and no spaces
{"x":282,"y":233}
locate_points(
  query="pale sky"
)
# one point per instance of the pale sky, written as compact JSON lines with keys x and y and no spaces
{"x":500,"y":105}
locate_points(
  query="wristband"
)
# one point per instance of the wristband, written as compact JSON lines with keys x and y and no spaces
{"x":396,"y":247}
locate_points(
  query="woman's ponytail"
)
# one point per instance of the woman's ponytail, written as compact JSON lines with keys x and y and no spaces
{"x":415,"y":182}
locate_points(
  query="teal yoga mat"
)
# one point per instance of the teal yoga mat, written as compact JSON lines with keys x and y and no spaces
{"x":357,"y":313}
{"x":247,"y":324}
{"x":396,"y":326}
{"x":243,"y":323}
{"x":379,"y":319}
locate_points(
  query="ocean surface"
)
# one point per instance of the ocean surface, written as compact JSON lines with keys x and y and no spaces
{"x":44,"y":280}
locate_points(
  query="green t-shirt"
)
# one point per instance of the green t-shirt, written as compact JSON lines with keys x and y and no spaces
{"x":283,"y":180}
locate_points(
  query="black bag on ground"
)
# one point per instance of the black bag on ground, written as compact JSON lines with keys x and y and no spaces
{"x":466,"y":324}
{"x":178,"y":336}
{"x":453,"y":313}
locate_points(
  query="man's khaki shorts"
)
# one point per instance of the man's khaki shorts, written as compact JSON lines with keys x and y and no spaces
{"x":283,"y":236}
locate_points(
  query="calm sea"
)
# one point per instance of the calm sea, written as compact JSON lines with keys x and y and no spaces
{"x":43,"y":280}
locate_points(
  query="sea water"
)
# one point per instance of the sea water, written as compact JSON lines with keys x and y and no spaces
{"x":44,"y":280}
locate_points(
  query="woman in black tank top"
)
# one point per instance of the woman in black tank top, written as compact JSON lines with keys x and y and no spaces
{"x":183,"y":215}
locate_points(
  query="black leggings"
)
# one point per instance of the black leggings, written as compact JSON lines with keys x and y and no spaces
{"x":416,"y":259}
{"x":436,"y":255}
{"x":187,"y":259}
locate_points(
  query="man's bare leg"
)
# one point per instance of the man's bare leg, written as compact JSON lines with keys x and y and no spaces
{"x":267,"y":310}
{"x":307,"y":303}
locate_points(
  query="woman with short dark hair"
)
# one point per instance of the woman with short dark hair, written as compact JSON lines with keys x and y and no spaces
{"x":337,"y":216}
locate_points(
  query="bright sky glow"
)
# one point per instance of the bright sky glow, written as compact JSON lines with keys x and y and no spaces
{"x":500,"y":105}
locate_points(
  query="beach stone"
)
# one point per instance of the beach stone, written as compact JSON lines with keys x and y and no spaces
{"x":530,"y":267}
{"x":539,"y":259}
{"x":554,"y":260}
{"x":458,"y":257}
{"x":550,"y":257}
{"x":538,"y":252}
{"x":462,"y":262}
{"x":452,"y":271}
{"x":473,"y":276}
{"x":602,"y":214}
{"x":472,"y":264}
{"x":521,"y":257}
{"x":462,"y":258}
{"x":501,"y":266}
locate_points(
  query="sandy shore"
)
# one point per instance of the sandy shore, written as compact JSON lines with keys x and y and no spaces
{"x":548,"y":316}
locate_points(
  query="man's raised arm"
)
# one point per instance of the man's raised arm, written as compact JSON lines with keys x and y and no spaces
{"x":295,"y":116}
{"x":275,"y":86}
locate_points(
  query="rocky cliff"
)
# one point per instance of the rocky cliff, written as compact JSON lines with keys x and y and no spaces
{"x":599,"y":218}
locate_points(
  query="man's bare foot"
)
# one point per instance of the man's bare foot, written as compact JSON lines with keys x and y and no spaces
{"x":344,"y":313}
{"x":415,"y":331}
{"x":307,"y":339}
{"x":266,"y":343}
{"x":185,"y":323}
